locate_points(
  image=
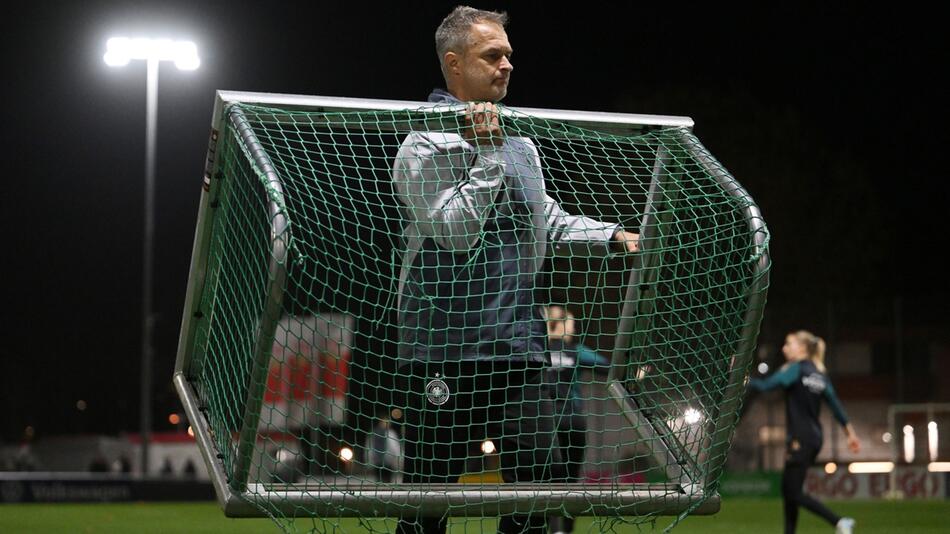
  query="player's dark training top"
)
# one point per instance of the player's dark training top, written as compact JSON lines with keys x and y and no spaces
{"x":805,"y":387}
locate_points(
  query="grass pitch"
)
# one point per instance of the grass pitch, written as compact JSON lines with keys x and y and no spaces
{"x":737,"y":516}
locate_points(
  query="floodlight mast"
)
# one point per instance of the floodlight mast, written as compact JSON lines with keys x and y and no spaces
{"x":120,"y":51}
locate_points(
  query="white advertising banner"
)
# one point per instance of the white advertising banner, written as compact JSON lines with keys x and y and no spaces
{"x":913,"y":482}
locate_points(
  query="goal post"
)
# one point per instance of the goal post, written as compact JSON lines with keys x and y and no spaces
{"x":913,"y":430}
{"x":287,"y":354}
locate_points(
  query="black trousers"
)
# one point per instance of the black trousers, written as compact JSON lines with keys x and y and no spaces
{"x":506,"y":402}
{"x":572,"y":439}
{"x":797,"y":460}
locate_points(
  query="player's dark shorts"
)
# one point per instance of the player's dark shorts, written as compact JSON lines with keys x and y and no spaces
{"x":801,"y":453}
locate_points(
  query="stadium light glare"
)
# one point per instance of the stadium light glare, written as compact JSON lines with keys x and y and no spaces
{"x":763,"y":368}
{"x":692,"y":416}
{"x":932,"y":440}
{"x":938,"y":467}
{"x":642,"y":372}
{"x":488,"y":446}
{"x":346,"y":454}
{"x":119,"y":52}
{"x":831,"y":467}
{"x":870,"y":467}
{"x":887,"y":437}
{"x":909,"y":444}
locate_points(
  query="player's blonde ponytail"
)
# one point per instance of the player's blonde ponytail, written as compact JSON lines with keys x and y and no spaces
{"x":815,"y":346}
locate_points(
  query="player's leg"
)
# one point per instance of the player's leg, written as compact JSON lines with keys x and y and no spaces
{"x":793,"y":478}
{"x":812,"y":504}
{"x":572,"y":440}
{"x":574,"y":456}
{"x":529,"y":448}
{"x":816,"y":507}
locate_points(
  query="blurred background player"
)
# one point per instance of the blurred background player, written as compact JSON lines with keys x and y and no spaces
{"x":806,"y":384}
{"x":384,"y":450}
{"x":566,"y":355}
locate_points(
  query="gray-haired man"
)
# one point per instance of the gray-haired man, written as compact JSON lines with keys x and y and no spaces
{"x":472,"y":340}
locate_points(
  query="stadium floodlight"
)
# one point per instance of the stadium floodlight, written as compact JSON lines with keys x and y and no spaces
{"x":290,"y":183}
{"x":488,"y":446}
{"x":938,"y":467}
{"x":119,"y":52}
{"x":831,"y":468}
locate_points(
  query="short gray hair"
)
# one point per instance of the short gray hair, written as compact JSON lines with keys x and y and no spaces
{"x":453,"y":33}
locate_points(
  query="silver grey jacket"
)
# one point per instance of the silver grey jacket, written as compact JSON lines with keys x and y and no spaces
{"x":478,"y":226}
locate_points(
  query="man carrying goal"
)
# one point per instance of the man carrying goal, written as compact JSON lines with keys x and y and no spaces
{"x":472,"y":339}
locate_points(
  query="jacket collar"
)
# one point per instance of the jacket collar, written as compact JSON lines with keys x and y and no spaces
{"x":441,"y":96}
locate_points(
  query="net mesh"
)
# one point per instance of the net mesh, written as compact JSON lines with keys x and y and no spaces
{"x":397,"y":325}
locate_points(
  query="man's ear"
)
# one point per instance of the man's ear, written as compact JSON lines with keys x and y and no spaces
{"x":451,"y":62}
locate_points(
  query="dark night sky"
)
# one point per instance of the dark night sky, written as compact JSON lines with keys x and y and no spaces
{"x":832,"y":118}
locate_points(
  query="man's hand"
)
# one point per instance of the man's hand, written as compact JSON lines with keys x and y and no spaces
{"x":483,"y":125}
{"x":628,"y":240}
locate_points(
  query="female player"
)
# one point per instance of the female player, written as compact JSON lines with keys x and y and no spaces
{"x":806,"y":383}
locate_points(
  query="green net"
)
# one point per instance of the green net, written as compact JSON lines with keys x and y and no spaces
{"x":392,"y":327}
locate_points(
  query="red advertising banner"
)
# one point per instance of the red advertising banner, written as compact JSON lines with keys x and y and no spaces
{"x":309,"y":371}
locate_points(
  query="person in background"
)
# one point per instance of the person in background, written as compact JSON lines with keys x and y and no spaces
{"x":806,"y":384}
{"x":566,"y":356}
{"x":384,"y":450}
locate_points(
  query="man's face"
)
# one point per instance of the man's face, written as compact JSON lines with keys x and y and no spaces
{"x":484,"y":68}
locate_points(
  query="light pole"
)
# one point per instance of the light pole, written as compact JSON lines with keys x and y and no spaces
{"x":119,"y":52}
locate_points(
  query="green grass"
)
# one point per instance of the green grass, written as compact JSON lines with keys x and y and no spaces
{"x":737,"y":516}
{"x":873,"y":517}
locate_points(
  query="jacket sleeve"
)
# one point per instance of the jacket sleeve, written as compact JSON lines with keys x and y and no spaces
{"x":448,"y":185}
{"x":786,"y":376}
{"x":566,"y":230}
{"x":836,"y":408}
{"x":589,"y":357}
